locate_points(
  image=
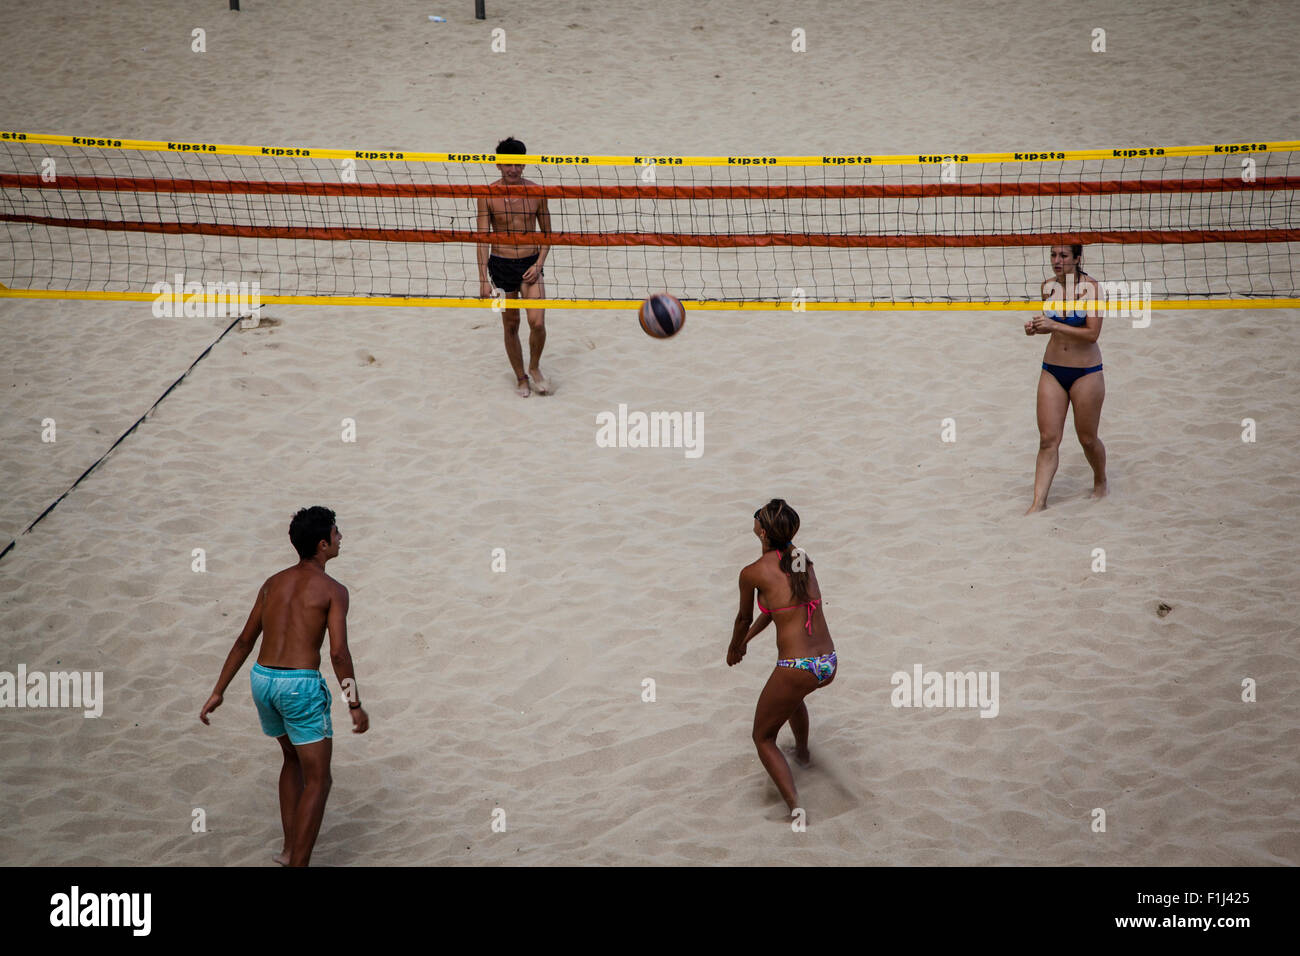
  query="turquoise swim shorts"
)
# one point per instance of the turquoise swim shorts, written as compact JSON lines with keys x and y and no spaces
{"x":295,"y":702}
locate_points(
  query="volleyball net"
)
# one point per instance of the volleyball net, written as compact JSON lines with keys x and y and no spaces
{"x":108,"y":218}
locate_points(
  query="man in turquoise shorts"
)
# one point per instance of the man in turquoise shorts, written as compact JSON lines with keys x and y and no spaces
{"x":292,"y":610}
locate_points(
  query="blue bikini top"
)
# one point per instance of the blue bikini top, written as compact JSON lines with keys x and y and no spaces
{"x":1076,"y":319}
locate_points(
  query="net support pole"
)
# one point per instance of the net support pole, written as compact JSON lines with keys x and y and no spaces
{"x":480,"y":13}
{"x":234,"y":4}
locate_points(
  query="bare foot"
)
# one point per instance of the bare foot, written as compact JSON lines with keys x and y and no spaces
{"x":539,"y":382}
{"x":282,"y":858}
{"x":1100,"y":490}
{"x":1036,"y":507}
{"x":803,"y":757}
{"x":521,"y":388}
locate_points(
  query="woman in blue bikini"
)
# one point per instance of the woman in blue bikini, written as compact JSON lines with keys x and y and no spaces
{"x":1071,"y":370}
{"x":784,"y":575}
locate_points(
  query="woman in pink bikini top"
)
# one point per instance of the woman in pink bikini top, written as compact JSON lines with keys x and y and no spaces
{"x":806,"y":651}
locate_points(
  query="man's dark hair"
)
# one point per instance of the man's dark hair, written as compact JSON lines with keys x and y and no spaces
{"x":511,"y":145}
{"x":310,"y":527}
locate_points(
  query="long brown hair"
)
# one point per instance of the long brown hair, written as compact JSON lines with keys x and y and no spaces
{"x":780,"y":523}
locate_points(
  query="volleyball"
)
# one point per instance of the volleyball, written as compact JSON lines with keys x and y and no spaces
{"x":662,"y":315}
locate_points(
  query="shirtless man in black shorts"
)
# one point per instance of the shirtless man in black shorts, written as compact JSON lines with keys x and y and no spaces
{"x":516,"y":269}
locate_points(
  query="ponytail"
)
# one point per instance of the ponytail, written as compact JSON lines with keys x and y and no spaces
{"x":795,"y":562}
{"x":781,"y":523}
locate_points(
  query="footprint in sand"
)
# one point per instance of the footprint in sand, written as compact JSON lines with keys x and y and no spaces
{"x":263,"y":322}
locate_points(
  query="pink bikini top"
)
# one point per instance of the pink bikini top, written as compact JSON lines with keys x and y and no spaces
{"x":812,"y":606}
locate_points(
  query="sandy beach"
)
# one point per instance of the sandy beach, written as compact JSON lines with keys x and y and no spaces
{"x":522,"y":689}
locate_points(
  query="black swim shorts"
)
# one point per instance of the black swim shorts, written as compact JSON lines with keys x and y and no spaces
{"x":508,"y":274}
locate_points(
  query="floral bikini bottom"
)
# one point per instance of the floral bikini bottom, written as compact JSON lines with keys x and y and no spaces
{"x":823,"y":668}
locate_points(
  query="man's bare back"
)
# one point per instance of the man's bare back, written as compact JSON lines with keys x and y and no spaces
{"x":297,"y":604}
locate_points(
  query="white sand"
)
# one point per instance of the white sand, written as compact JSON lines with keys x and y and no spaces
{"x":522,"y":690}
